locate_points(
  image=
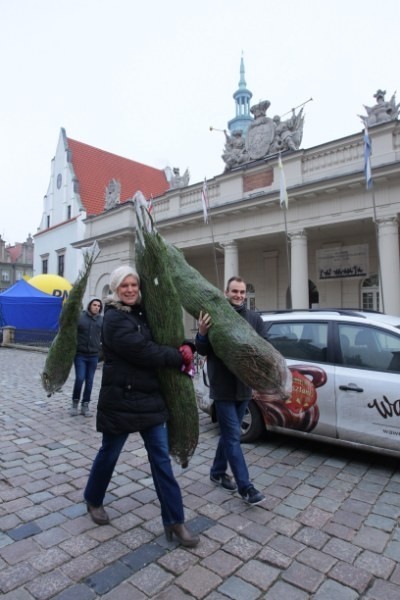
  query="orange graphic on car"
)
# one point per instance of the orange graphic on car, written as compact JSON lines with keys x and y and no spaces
{"x":300,"y":411}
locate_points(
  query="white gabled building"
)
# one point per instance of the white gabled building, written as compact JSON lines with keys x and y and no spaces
{"x":83,"y":180}
{"x":62,"y":218}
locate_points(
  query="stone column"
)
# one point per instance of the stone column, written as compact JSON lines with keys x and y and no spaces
{"x":231,"y":265}
{"x":299,"y":269}
{"x":389,"y":259}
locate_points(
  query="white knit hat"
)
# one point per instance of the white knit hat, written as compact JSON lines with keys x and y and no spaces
{"x":117,"y":277}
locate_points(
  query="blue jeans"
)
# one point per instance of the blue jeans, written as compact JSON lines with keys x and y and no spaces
{"x":85,"y":368}
{"x":230,"y":416}
{"x":167,"y":488}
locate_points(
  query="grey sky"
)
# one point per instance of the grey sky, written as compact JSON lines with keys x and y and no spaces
{"x":147,"y":79}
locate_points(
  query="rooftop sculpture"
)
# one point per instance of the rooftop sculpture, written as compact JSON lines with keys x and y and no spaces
{"x":112,"y":194}
{"x":382,"y":111}
{"x":177,"y":180}
{"x":265,"y":136}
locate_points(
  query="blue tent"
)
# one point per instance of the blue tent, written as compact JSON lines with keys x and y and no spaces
{"x":26,"y":307}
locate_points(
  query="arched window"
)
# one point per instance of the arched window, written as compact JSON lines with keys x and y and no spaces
{"x":370,"y":296}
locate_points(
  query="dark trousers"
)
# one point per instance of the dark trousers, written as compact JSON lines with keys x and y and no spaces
{"x":85,"y":368}
{"x":230,"y":416}
{"x":156,"y":443}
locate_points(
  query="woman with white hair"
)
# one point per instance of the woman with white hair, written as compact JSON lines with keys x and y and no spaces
{"x":130,"y":401}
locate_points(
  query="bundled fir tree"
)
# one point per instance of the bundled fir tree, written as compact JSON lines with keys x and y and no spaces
{"x":164,"y":314}
{"x":61,"y":354}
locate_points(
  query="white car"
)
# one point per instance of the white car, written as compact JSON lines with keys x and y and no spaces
{"x":346,"y":379}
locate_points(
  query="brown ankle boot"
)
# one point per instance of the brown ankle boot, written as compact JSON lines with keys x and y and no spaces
{"x":98,"y":514}
{"x":182,"y":534}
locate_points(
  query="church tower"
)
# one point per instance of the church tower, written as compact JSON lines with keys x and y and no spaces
{"x":242,"y":98}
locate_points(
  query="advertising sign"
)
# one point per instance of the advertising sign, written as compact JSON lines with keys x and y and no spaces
{"x":343,"y":262}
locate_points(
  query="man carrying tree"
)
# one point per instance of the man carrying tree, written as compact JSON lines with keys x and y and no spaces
{"x":231,"y":397}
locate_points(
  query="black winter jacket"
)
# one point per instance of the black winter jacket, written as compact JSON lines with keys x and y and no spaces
{"x":224,"y":385}
{"x":130,"y":397}
{"x":89,"y":334}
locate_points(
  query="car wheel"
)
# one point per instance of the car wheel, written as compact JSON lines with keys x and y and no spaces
{"x":252,"y":424}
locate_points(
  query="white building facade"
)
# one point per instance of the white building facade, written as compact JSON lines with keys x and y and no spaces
{"x":337,"y":244}
{"x":62,"y":219}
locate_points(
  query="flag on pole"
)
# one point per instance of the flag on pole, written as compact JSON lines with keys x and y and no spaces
{"x":204,"y":200}
{"x":367,"y":159}
{"x":283,"y":197}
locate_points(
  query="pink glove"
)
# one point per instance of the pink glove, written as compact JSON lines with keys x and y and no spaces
{"x":188,"y":369}
{"x":187,"y":354}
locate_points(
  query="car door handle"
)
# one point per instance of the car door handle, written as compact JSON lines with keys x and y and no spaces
{"x":352,"y":387}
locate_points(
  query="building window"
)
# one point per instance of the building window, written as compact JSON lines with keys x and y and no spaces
{"x":18,"y":275}
{"x":68,"y":211}
{"x":48,"y":221}
{"x":61,"y":265}
{"x":370,"y":298}
{"x":45,"y":266}
{"x":251,"y":296}
{"x":5,"y":276}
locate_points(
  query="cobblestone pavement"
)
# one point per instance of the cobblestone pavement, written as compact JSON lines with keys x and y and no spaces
{"x":327,"y":530}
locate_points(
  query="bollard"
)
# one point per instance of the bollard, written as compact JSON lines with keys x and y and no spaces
{"x":8,"y":335}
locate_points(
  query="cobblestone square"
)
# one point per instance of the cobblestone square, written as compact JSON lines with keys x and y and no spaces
{"x":328,"y":528}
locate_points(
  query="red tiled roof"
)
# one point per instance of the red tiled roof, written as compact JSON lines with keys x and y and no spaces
{"x":94,"y":169}
{"x":14,"y":252}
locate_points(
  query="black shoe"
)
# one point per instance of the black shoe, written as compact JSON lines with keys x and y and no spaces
{"x":253,"y":496}
{"x":224,"y":481}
